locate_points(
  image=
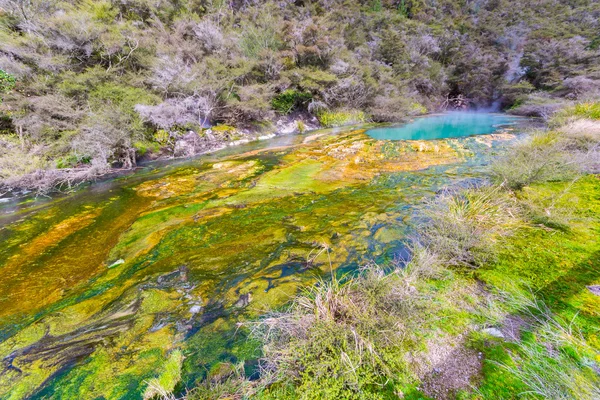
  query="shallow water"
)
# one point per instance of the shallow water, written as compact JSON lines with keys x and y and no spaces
{"x":443,"y":126}
{"x":99,"y":287}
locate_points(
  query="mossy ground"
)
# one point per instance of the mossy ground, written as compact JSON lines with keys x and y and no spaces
{"x":557,"y":265}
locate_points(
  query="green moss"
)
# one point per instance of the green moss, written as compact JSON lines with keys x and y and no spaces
{"x":168,"y":378}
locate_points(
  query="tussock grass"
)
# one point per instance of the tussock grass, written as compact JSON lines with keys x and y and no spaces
{"x":351,"y":339}
{"x":587,"y":110}
{"x":463,"y":228}
{"x":571,"y":149}
{"x":539,"y":157}
{"x":336,"y":337}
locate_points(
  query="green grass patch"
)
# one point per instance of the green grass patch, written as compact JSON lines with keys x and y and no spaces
{"x":331,"y":119}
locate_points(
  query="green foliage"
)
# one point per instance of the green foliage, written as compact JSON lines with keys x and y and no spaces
{"x":260,"y":36}
{"x":70,"y":161}
{"x":143,"y":148}
{"x":120,"y":101}
{"x":7,"y":82}
{"x":121,"y":96}
{"x":289,"y":100}
{"x":232,"y":64}
{"x":102,"y":11}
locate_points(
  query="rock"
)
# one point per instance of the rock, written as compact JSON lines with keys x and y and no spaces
{"x":244,"y":300}
{"x":117,"y":263}
{"x":265,"y":137}
{"x":495,"y":332}
{"x":195,"y":309}
{"x":595,"y":289}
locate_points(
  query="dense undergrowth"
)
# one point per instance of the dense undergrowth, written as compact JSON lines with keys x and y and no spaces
{"x":89,"y":85}
{"x":493,"y":304}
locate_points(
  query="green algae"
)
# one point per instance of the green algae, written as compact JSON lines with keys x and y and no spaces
{"x":205,"y":245}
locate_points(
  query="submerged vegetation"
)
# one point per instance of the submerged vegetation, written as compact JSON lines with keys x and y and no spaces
{"x":496,"y":301}
{"x":90,"y":85}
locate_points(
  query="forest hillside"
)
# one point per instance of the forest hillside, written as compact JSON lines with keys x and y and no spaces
{"x":92,"y":85}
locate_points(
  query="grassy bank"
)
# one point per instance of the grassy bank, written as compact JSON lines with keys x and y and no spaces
{"x":496,"y":301}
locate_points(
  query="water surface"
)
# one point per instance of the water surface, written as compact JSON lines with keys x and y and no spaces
{"x":443,"y":126}
{"x":101,"y":287}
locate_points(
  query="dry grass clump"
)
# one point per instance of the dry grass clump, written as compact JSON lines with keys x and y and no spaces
{"x":582,"y":142}
{"x":462,"y":229}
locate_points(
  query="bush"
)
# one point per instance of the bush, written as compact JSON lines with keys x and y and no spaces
{"x":7,"y":82}
{"x":260,"y":35}
{"x":290,"y":100}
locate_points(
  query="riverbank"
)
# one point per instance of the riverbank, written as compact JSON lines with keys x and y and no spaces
{"x":499,"y":299}
{"x":44,"y":181}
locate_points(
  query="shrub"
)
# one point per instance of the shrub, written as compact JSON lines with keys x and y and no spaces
{"x":290,"y":100}
{"x":7,"y":83}
{"x":107,"y":138}
{"x":209,"y":35}
{"x":177,"y":113}
{"x":537,"y":104}
{"x":260,"y":35}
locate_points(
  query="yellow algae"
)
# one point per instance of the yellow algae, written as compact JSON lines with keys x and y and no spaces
{"x":58,"y":232}
{"x":387,"y":235}
{"x":169,"y":186}
{"x":23,"y":338}
{"x":32,"y":283}
{"x":15,"y":385}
